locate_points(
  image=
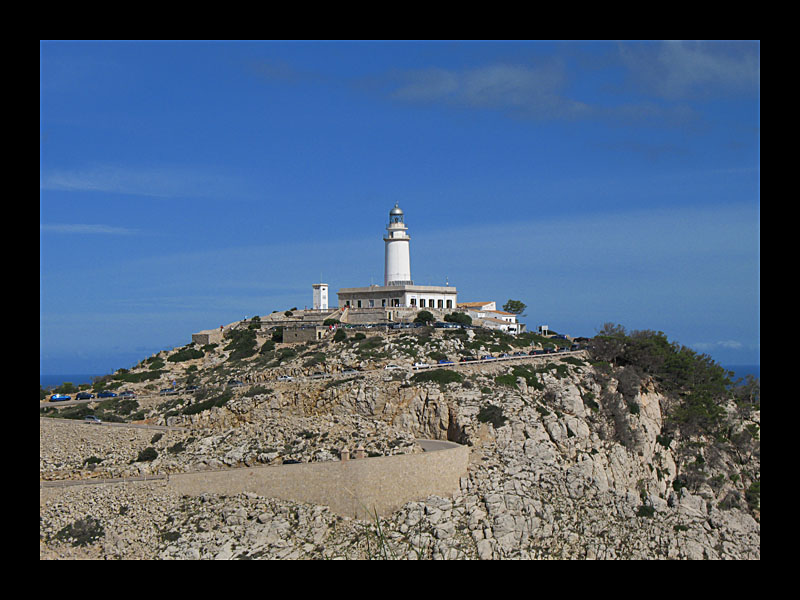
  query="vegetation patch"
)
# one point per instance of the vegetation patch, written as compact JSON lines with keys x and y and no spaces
{"x":185,"y":354}
{"x":442,"y":376}
{"x":490,"y":413}
{"x":82,"y":532}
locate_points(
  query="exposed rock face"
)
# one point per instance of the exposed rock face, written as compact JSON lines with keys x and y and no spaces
{"x":573,"y":467}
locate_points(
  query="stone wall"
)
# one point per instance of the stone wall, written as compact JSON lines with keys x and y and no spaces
{"x":208,"y":336}
{"x":352,"y":488}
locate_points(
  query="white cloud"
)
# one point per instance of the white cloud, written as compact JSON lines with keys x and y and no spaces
{"x":680,"y":69}
{"x":156,"y":182}
{"x":86,"y":229}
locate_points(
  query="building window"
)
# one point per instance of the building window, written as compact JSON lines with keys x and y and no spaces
{"x":358,"y":303}
{"x":422,"y":302}
{"x":413,"y":302}
{"x":440,"y":303}
{"x":383,"y":302}
{"x":372,"y":303}
{"x":449,"y":304}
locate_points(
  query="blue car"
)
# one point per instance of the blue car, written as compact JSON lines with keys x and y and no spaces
{"x":59,"y":397}
{"x":84,"y":396}
{"x":444,"y":361}
{"x":106,"y":394}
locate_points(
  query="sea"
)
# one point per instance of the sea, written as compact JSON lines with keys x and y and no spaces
{"x":741,"y":371}
{"x":51,"y":381}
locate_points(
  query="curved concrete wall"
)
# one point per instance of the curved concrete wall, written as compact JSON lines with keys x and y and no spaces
{"x":354,"y":488}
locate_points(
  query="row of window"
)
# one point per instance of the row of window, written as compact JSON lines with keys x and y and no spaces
{"x":431,"y":303}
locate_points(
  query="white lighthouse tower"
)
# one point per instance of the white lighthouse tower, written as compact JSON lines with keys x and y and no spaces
{"x":397,"y":264}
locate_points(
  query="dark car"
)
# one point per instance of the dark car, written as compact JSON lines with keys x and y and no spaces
{"x":235,"y":383}
{"x":106,"y":394}
{"x":192,"y":388}
{"x":168,"y":392}
{"x":291,"y":461}
{"x":84,"y":396}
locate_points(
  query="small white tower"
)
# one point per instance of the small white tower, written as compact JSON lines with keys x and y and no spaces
{"x":398,"y":264}
{"x":320,"y":295}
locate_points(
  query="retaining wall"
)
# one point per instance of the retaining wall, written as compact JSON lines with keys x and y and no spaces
{"x":353,"y":488}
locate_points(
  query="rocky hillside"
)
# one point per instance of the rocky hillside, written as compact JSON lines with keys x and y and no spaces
{"x":607,"y":455}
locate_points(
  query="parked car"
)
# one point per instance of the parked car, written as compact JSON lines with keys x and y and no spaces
{"x":84,"y":396}
{"x":60,"y":397}
{"x":421,"y":365}
{"x":349,"y":371}
{"x":235,"y":383}
{"x":504,"y":355}
{"x":291,"y":461}
{"x":390,"y":367}
{"x":168,"y":392}
{"x":91,"y":419}
{"x":192,"y":388}
{"x":285,"y":378}
{"x":127,"y":394}
{"x":487,"y":357}
{"x":444,"y":361}
{"x":106,"y":394}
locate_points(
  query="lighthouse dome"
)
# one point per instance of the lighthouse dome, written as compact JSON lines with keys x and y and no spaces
{"x":395,"y":211}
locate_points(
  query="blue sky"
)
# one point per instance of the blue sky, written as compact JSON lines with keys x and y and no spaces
{"x":185,"y":185}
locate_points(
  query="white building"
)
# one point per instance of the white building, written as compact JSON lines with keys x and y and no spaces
{"x":398,"y":289}
{"x":320,"y":300}
{"x":485,"y":314}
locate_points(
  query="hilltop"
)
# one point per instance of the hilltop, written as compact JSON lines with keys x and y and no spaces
{"x":632,"y":448}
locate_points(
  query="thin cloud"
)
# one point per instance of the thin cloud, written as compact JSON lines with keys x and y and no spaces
{"x":84,"y":229}
{"x":530,"y":91}
{"x":175,"y":182}
{"x":674,"y":70}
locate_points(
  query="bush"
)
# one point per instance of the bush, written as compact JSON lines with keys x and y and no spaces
{"x":243,"y":343}
{"x":507,"y":380}
{"x":339,"y":336}
{"x":424,"y":316}
{"x":147,"y":455}
{"x":442,"y":376}
{"x":490,"y":413}
{"x":186,"y":354}
{"x":82,"y":532}
{"x":646,"y":511}
{"x":462,"y":318}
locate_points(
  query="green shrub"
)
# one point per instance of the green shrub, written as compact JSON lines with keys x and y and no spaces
{"x":442,"y":376}
{"x":458,"y":317}
{"x":242,"y":344}
{"x":646,"y":511}
{"x":507,"y":380}
{"x":186,"y":354}
{"x":424,"y":316}
{"x":82,"y":532}
{"x":490,"y":413}
{"x":147,"y":455}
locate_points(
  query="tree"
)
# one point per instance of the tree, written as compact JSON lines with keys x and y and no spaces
{"x":424,"y":316}
{"x":462,"y":318}
{"x":514,"y":306}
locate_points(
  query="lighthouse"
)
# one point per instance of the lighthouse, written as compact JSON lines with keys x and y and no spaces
{"x":397,"y":262}
{"x":397,"y":291}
